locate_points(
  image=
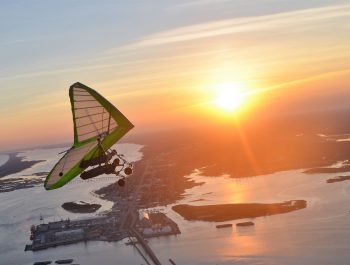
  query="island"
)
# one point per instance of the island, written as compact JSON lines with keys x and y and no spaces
{"x":244,"y":224}
{"x":16,"y":164}
{"x":80,"y":207}
{"x":344,"y":168}
{"x":338,"y":179}
{"x":226,"y":212}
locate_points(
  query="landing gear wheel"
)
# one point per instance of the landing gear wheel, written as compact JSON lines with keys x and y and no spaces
{"x":128,"y":171}
{"x":121,"y":182}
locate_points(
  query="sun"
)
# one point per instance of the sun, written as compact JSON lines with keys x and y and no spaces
{"x":230,"y":96}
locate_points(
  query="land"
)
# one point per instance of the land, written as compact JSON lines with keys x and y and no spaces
{"x":161,"y":186}
{"x":345,"y":168}
{"x":11,"y":184}
{"x":244,"y":224}
{"x":80,"y":207}
{"x":16,"y":164}
{"x":224,"y":152}
{"x":227,"y":212}
{"x":338,"y":179}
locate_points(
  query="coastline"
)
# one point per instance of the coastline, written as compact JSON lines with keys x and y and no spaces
{"x":16,"y":164}
{"x":318,"y":170}
{"x":338,"y":179}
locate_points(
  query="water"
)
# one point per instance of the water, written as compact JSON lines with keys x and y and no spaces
{"x":22,"y":208}
{"x":318,"y":234}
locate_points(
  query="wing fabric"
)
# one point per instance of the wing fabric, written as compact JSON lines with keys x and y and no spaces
{"x":67,"y":163}
{"x":94,"y":118}
{"x":91,"y":119}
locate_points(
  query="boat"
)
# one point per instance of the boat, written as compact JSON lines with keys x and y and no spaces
{"x":42,"y":262}
{"x":224,"y":225}
{"x":64,"y":261}
{"x":245,"y":224}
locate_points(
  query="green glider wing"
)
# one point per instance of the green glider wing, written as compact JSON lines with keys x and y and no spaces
{"x":94,"y":119}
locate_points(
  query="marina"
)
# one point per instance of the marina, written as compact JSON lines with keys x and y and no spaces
{"x":107,"y":228}
{"x":125,"y":220}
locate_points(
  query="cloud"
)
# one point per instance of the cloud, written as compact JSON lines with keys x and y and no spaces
{"x":302,"y":80}
{"x":245,"y":24}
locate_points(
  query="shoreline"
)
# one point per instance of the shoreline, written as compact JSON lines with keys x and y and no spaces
{"x":327,"y":170}
{"x":15,"y":164}
{"x":338,"y":179}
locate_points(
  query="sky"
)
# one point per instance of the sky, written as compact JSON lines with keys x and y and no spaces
{"x":161,"y":62}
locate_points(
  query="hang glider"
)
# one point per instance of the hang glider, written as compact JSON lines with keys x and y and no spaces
{"x":98,"y":125}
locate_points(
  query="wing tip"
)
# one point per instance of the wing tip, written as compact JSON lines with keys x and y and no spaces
{"x":76,"y":84}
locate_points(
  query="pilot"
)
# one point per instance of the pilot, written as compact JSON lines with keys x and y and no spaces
{"x":104,"y":158}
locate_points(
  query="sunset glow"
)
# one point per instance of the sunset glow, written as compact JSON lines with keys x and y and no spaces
{"x":175,"y":74}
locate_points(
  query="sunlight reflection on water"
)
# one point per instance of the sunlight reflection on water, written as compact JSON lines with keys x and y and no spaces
{"x":292,"y":238}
